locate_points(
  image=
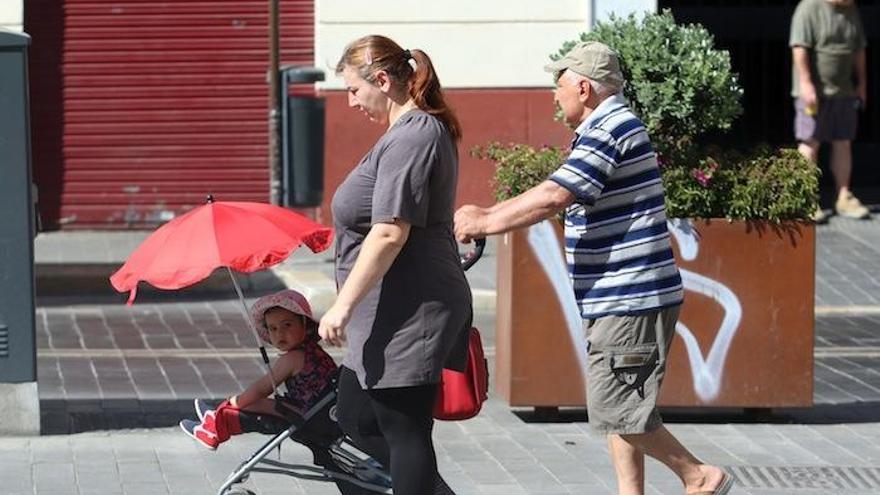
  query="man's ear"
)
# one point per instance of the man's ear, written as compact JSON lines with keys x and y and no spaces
{"x":584,"y":90}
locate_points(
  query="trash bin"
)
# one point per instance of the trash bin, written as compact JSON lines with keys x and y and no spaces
{"x":19,"y":400}
{"x":302,"y":138}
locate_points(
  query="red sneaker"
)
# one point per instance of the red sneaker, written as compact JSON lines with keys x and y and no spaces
{"x":202,"y":435}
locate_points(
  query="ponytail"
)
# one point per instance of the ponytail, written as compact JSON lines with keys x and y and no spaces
{"x":425,"y":90}
{"x":412,"y":68}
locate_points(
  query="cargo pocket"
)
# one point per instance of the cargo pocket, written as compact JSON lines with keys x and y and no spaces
{"x":633,"y":365}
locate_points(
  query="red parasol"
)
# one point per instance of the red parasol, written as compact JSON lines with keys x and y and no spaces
{"x":241,"y":236}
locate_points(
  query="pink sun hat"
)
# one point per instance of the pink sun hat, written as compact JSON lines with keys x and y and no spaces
{"x":290,"y":300}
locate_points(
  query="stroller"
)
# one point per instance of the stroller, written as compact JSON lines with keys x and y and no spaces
{"x":336,"y":459}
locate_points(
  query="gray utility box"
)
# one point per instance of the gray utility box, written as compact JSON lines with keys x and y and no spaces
{"x":19,"y":400}
{"x":302,"y":138}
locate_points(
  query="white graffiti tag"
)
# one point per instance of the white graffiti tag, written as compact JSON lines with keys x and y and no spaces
{"x":707,"y":372}
{"x":545,"y":246}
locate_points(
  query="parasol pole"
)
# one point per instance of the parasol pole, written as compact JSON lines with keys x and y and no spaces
{"x":247,"y":318}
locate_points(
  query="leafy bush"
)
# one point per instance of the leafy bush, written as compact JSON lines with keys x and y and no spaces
{"x":519,"y":167}
{"x":678,"y":83}
{"x":765,"y":184}
{"x":681,"y":87}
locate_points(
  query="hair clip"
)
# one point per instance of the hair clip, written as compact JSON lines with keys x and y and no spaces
{"x":407,"y":55}
{"x":368,"y":57}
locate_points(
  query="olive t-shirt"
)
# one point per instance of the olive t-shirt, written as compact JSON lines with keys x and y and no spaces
{"x":833,"y":34}
{"x":412,"y":323}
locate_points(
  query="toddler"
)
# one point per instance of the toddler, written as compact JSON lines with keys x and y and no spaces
{"x":283,"y":319}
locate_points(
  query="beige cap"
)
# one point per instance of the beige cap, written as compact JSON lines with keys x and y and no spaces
{"x":593,"y":60}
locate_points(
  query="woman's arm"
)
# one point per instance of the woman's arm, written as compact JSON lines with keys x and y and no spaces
{"x":378,"y":251}
{"x":288,"y":364}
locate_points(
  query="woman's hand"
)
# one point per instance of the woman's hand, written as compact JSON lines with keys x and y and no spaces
{"x":332,"y":325}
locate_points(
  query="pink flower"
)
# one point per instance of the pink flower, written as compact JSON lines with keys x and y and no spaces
{"x":701,"y":177}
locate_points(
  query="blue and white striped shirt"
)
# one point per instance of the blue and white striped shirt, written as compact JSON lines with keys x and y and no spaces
{"x":616,"y":241}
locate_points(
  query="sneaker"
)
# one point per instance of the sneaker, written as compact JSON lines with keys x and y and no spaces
{"x":819,"y":216}
{"x":200,"y":434}
{"x":849,"y":206}
{"x":202,"y":406}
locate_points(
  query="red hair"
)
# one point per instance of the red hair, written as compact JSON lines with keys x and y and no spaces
{"x":374,"y":53}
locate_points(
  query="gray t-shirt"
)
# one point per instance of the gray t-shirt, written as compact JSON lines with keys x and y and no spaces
{"x":833,"y":34}
{"x":413,"y":322}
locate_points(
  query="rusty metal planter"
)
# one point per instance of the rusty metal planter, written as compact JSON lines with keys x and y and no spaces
{"x":749,"y":301}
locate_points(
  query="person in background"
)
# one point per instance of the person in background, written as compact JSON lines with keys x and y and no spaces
{"x":829,"y":86}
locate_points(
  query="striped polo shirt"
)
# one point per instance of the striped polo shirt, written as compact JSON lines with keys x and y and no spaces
{"x":616,"y":242}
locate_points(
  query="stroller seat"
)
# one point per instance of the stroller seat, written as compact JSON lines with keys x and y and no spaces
{"x":335,"y":458}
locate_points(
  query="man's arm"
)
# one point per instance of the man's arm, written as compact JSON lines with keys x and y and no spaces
{"x":861,"y":77}
{"x":538,"y":203}
{"x":801,"y":58}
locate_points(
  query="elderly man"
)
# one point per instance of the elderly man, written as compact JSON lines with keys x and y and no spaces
{"x":625,"y":279}
{"x":828,"y":48}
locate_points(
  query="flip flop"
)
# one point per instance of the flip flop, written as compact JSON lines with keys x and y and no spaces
{"x":722,"y":489}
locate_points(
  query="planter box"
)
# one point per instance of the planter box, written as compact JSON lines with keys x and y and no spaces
{"x":745,"y":335}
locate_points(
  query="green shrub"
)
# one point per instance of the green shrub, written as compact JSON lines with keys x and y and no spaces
{"x":678,"y":83}
{"x":765,"y":184}
{"x":681,"y":87}
{"x":519,"y":167}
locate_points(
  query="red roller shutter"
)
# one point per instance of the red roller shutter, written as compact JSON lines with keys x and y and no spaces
{"x":141,"y":108}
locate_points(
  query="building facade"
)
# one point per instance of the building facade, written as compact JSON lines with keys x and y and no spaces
{"x":141,"y":109}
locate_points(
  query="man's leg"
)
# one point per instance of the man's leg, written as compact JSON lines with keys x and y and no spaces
{"x":846,"y":205}
{"x":629,"y":464}
{"x":841,"y":166}
{"x":661,"y":445}
{"x":810,"y":150}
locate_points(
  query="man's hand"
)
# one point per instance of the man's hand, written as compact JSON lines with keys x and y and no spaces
{"x":470,"y":223}
{"x":808,"y":96}
{"x":332,"y":326}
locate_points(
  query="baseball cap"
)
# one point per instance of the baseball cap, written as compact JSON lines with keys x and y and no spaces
{"x":593,"y":60}
{"x":290,"y":300}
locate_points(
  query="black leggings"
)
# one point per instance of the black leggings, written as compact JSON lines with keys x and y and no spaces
{"x":393,"y":426}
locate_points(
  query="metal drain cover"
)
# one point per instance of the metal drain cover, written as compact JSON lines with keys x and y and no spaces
{"x":807,"y":477}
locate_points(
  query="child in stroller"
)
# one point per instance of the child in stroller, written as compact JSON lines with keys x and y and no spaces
{"x":305,"y":412}
{"x":283,"y":319}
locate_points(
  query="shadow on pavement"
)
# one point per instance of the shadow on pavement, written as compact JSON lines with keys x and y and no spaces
{"x":852,"y":412}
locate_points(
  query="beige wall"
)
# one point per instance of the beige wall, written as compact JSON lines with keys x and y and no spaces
{"x":12,"y":14}
{"x":473,"y":44}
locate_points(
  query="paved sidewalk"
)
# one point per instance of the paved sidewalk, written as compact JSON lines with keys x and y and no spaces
{"x":107,"y":370}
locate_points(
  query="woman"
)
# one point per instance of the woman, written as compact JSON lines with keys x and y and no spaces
{"x":404,"y":303}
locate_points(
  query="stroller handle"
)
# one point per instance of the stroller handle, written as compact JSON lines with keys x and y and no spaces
{"x":468,"y":259}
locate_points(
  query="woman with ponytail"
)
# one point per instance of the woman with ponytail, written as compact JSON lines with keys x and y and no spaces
{"x":404,"y":304}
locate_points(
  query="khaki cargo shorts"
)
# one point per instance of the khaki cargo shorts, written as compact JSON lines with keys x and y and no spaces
{"x":627,"y":361}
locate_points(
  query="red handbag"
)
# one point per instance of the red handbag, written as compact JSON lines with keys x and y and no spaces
{"x":461,"y":394}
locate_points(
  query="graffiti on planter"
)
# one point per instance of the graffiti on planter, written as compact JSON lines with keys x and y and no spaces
{"x":544,"y":244}
{"x":707,"y":371}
